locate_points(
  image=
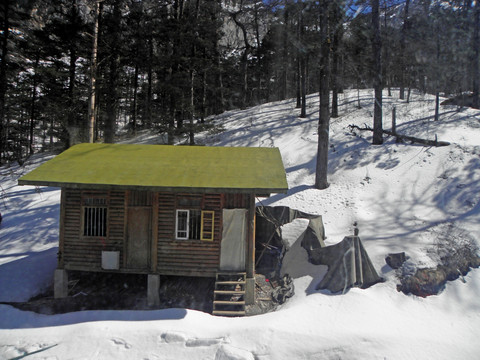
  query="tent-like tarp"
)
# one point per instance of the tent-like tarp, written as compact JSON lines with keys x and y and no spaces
{"x":348,"y":265}
{"x":348,"y":262}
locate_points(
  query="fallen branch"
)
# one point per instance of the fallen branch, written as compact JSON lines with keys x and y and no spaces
{"x":412,"y":139}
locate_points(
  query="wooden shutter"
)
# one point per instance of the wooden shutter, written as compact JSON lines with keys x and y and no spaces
{"x":207,"y":229}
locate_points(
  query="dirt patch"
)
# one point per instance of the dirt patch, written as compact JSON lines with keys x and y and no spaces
{"x":106,"y":291}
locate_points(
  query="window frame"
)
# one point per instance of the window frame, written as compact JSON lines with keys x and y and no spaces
{"x":204,"y":235}
{"x":177,"y":224}
{"x":91,"y":217}
{"x":203,"y":232}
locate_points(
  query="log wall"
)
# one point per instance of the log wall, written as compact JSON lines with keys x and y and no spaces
{"x":169,"y":256}
{"x":187,"y":257}
{"x":85,"y":252}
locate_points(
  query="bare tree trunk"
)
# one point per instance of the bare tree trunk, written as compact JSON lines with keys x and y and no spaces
{"x":74,"y":125}
{"x":284,"y":85}
{"x":192,"y":107}
{"x":244,"y":58}
{"x":334,"y":83}
{"x":3,"y":76}
{"x":437,"y":106}
{"x":93,"y":77}
{"x":148,"y":118}
{"x":337,"y":31}
{"x":220,"y":87}
{"x":298,"y":76}
{"x":134,"y":105}
{"x":437,"y":82}
{"x":171,"y":120}
{"x":33,"y":103}
{"x":324,"y":114}
{"x":387,"y":76}
{"x":402,"y":50}
{"x":476,"y":57}
{"x":303,"y":67}
{"x":377,"y":64}
{"x":303,"y":86}
{"x":112,"y":83}
{"x":203,"y":105}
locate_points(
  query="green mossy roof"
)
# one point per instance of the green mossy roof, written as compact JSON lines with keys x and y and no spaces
{"x":164,"y":168}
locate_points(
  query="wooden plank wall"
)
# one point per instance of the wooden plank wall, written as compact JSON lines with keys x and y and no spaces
{"x":174,"y":257}
{"x":84,"y":252}
{"x":72,"y":226}
{"x":187,"y":257}
{"x":236,"y":201}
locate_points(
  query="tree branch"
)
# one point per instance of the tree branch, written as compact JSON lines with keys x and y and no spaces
{"x":412,"y":139}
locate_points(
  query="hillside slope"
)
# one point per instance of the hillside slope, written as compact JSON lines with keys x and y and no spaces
{"x":404,"y":197}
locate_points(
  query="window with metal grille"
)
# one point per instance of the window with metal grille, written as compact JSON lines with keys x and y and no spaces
{"x":194,"y":225}
{"x":94,"y":220}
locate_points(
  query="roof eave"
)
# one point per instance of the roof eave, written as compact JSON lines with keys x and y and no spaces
{"x":263,"y":192}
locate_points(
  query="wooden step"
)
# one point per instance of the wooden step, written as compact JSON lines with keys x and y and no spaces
{"x":229,"y":292}
{"x":227,"y":273}
{"x":228,"y":313}
{"x":228,"y":302}
{"x":230,"y":282}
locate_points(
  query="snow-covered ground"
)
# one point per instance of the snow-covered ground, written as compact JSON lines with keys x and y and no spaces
{"x":404,"y":197}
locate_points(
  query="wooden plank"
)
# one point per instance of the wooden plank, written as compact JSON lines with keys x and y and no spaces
{"x":228,"y":313}
{"x":154,"y":244}
{"x":61,"y":231}
{"x":125,"y":228}
{"x":250,"y":259}
{"x":187,"y":251}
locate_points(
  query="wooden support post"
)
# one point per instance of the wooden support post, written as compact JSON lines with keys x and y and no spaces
{"x":60,"y":284}
{"x":154,"y":248}
{"x":61,"y":230}
{"x":125,"y":229}
{"x":153,"y":287}
{"x":250,"y":263}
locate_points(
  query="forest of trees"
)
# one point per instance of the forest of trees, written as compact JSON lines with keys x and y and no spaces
{"x":80,"y":70}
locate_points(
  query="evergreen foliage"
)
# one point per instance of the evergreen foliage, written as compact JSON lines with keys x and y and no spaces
{"x":169,"y":64}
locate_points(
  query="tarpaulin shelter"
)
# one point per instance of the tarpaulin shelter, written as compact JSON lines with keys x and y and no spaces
{"x":348,"y":262}
{"x":348,"y":265}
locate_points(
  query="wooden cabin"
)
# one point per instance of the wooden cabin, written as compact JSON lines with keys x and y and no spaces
{"x":159,"y":209}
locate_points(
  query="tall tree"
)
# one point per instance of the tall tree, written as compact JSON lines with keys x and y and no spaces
{"x":377,"y":73}
{"x":93,"y":74}
{"x":324,"y":113}
{"x":114,"y":40}
{"x":5,"y":8}
{"x":402,"y":49}
{"x":302,"y":64}
{"x":245,"y":55}
{"x":337,"y":32}
{"x":476,"y":55}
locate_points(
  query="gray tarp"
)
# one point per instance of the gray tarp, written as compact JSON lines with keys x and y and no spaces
{"x":348,"y":262}
{"x":276,"y":216}
{"x":348,"y":265}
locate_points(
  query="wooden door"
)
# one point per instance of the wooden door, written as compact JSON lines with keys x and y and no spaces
{"x":139,"y":237}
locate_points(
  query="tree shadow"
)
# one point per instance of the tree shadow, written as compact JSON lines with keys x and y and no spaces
{"x":26,"y":227}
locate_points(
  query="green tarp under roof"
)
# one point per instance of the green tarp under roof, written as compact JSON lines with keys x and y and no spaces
{"x":164,"y":168}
